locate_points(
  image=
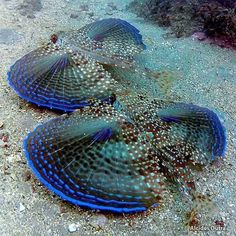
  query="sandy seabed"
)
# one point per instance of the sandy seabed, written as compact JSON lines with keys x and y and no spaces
{"x":206,"y":76}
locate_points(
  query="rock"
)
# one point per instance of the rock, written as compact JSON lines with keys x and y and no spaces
{"x":31,"y":16}
{"x":2,"y":200}
{"x":90,"y":14}
{"x":4,"y":136}
{"x":3,"y":144}
{"x":109,"y":13}
{"x":1,"y":124}
{"x":216,"y":18}
{"x":72,"y":228}
{"x":21,"y":207}
{"x":27,"y":175}
{"x":84,"y":7}
{"x":9,"y":36}
{"x":199,"y":36}
{"x":50,"y":210}
{"x":99,"y":221}
{"x":74,"y":15}
{"x":112,"y":6}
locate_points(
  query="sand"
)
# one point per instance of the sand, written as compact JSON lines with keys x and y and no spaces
{"x":206,"y":76}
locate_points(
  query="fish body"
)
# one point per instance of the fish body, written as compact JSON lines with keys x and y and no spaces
{"x":105,"y":157}
{"x":124,"y":139}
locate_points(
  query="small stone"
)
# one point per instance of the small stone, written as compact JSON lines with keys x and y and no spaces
{"x":31,"y":16}
{"x":84,"y":7}
{"x":27,"y":175}
{"x":112,"y":6}
{"x":2,"y":200}
{"x":74,"y":15}
{"x":21,"y":207}
{"x":3,"y":144}
{"x":99,"y":221}
{"x":72,"y":228}
{"x":4,"y":136}
{"x":1,"y":124}
{"x":90,"y":14}
{"x":50,"y":210}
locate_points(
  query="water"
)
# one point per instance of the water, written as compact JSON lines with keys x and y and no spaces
{"x":205,"y":75}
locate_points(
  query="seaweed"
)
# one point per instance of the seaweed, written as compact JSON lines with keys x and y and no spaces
{"x":215,"y":18}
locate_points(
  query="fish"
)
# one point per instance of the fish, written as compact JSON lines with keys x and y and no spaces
{"x":67,"y":72}
{"x":122,"y":140}
{"x":120,"y":158}
{"x":97,"y":159}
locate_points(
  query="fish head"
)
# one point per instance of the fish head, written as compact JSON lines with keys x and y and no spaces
{"x":57,"y":40}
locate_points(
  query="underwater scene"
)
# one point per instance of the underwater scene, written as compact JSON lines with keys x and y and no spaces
{"x":117,"y":117}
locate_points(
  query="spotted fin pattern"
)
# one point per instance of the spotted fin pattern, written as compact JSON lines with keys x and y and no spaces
{"x":97,"y":159}
{"x":65,"y":74}
{"x":117,"y":152}
{"x":109,"y":41}
{"x":198,"y":129}
{"x":183,"y":135}
{"x":102,"y":158}
{"x":57,"y":78}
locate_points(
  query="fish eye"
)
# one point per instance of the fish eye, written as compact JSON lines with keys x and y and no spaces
{"x":54,"y":38}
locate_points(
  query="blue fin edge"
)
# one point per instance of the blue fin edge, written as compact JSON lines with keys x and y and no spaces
{"x":69,"y":199}
{"x":223,"y":136}
{"x":216,"y":123}
{"x":66,"y":109}
{"x":139,"y":37}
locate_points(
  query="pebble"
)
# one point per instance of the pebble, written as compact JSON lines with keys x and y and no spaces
{"x":2,"y":200}
{"x":74,"y":15}
{"x":3,"y":144}
{"x":84,"y":7}
{"x":72,"y":228}
{"x":112,"y":6}
{"x":50,"y":210}
{"x":21,"y":207}
{"x":26,"y":175}
{"x":4,"y":136}
{"x":99,"y":221}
